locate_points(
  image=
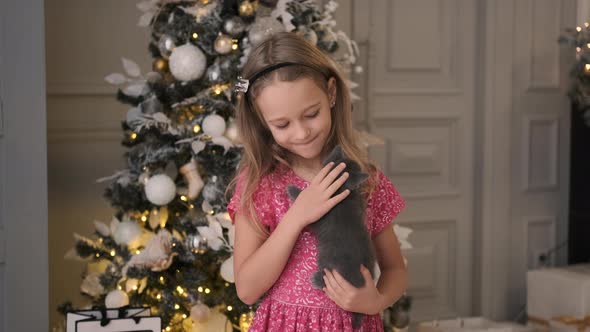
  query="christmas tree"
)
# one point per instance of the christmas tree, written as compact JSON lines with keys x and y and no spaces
{"x":169,"y":245}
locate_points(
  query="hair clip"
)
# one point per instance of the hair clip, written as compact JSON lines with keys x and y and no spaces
{"x":242,"y":85}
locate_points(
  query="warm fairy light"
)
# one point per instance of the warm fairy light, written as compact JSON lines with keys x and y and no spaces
{"x":161,"y":279}
{"x":191,"y":206}
{"x":97,"y":255}
{"x":133,"y":135}
{"x":234,"y":47}
{"x":184,"y":316}
{"x":180,"y":290}
{"x":207,"y":291}
{"x":144,"y":218}
{"x":158,"y":296}
{"x":183,"y":198}
{"x":100,"y":239}
{"x":200,"y":289}
{"x":217,"y":90}
{"x":230,"y":308}
{"x":119,"y":287}
{"x":113,"y":253}
{"x":176,"y":306}
{"x":586,"y":24}
{"x":195,"y":35}
{"x":137,"y":252}
{"x":196,"y":128}
{"x":168,"y":328}
{"x":211,"y":212}
{"x":578,"y":49}
{"x":578,"y":29}
{"x":226,"y":284}
{"x":134,"y":287}
{"x":174,"y":244}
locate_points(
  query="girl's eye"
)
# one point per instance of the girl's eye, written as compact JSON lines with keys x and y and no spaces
{"x":314,"y":114}
{"x":283,"y":126}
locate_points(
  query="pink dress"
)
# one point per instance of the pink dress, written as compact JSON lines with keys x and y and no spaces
{"x":292,"y":304}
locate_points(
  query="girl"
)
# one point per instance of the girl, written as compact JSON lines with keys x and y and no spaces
{"x":296,"y":108}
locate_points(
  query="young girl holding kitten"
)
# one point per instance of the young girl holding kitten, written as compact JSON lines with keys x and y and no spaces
{"x":294,"y":110}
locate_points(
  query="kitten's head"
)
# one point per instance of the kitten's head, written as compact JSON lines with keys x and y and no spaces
{"x":356,"y":177}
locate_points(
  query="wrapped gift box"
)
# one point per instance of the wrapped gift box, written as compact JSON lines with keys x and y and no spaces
{"x":558,"y":292}
{"x":104,"y":320}
{"x":471,"y":324}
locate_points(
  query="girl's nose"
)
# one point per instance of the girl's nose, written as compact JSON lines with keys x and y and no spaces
{"x":302,"y":132}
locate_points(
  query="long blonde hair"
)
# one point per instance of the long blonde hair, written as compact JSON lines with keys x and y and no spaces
{"x":261,"y":154}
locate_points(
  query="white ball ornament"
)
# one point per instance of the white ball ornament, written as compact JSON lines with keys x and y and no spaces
{"x":263,"y":28}
{"x":213,"y":125}
{"x":187,"y":62}
{"x":200,"y":313}
{"x":232,"y":132}
{"x":160,"y":189}
{"x":116,"y":299}
{"x":127,"y":232}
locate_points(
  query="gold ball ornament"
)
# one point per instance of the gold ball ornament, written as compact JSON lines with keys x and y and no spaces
{"x":246,"y":321}
{"x":223,"y":44}
{"x":247,"y":8}
{"x":160,"y":65}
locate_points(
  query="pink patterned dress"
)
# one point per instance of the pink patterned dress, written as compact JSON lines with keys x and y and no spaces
{"x":292,"y":304}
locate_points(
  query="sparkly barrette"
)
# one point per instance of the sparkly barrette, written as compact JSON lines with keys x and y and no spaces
{"x":242,"y":84}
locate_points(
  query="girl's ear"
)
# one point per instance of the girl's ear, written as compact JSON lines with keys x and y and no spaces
{"x":332,"y":90}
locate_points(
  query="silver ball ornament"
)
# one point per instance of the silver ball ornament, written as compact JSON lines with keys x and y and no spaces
{"x":196,"y":243}
{"x":160,"y":189}
{"x":166,"y":44}
{"x":187,"y":62}
{"x":214,"y":73}
{"x":223,"y":44}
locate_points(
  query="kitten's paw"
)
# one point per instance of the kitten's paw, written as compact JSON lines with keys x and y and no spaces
{"x":317,"y":280}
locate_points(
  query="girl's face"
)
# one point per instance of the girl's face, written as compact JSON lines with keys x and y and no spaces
{"x":298,"y":116}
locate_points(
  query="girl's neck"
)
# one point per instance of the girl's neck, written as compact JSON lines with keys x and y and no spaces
{"x":306,"y":169}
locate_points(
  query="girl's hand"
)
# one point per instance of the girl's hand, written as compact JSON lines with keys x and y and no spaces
{"x":364,"y":300}
{"x":316,"y":200}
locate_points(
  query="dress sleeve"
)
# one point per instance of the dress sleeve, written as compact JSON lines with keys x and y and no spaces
{"x":262,"y":199}
{"x":383,"y":205}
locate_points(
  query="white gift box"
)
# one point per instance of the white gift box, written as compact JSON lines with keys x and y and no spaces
{"x":72,"y":318}
{"x":558,"y":292}
{"x":471,"y":324}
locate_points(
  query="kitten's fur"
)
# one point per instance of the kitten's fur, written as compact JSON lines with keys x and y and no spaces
{"x":343,"y":240}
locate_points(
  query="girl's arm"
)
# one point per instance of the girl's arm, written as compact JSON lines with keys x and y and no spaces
{"x":258,"y":262}
{"x":393,"y":280}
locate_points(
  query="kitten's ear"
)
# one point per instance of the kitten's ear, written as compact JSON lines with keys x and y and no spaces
{"x":354,"y":180}
{"x":293,"y":192}
{"x":335,"y":155}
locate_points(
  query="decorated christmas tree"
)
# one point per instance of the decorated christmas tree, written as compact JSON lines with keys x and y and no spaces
{"x":169,"y":245}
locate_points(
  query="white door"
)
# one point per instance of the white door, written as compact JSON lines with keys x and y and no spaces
{"x":418,"y":91}
{"x":23,"y":168}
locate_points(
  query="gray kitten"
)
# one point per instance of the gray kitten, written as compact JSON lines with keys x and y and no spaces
{"x":343,"y":240}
